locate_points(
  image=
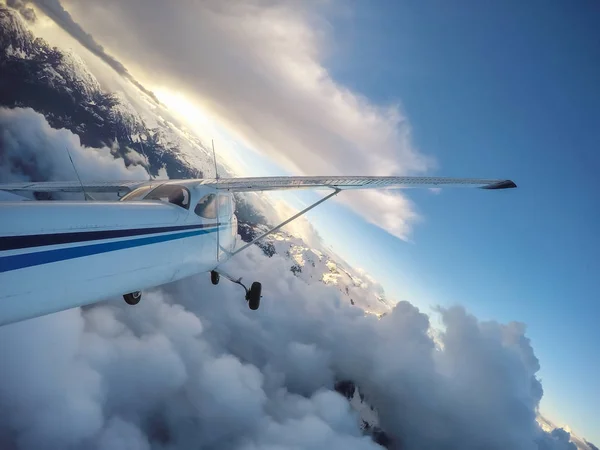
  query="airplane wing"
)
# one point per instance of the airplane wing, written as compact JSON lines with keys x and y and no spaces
{"x":346,"y":182}
{"x":255,"y":184}
{"x":121,"y":187}
{"x":339,"y":183}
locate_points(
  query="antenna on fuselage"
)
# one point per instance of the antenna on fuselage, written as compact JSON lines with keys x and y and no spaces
{"x":215,"y":158}
{"x":86,"y":196}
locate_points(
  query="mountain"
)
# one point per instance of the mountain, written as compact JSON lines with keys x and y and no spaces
{"x":318,"y":265}
{"x":58,"y":84}
{"x":368,"y":417}
{"x":550,"y":427}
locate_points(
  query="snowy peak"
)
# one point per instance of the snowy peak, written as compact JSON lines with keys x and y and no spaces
{"x":59,"y":85}
{"x":15,"y":37}
{"x":564,"y":433}
{"x":62,"y":71}
{"x":70,"y":72}
{"x":367,"y":414}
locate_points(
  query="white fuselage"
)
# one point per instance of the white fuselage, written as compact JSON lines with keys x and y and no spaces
{"x":56,"y":255}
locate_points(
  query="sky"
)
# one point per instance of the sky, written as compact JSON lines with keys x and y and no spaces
{"x":501,"y":89}
{"x":493,"y":89}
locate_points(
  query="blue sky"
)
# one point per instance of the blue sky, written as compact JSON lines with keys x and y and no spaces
{"x":494,"y":89}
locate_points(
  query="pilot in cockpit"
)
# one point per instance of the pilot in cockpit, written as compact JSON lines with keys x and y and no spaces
{"x":179,"y":197}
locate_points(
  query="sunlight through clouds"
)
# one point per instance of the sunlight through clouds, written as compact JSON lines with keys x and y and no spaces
{"x":267,"y":85}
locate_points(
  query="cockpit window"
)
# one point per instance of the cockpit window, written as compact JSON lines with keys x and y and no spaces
{"x":136,"y":194}
{"x":207,"y":207}
{"x":172,"y":193}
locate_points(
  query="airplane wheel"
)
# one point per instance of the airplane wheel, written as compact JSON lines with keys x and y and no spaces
{"x":253,"y":295}
{"x":133,"y":298}
{"x":214,"y":277}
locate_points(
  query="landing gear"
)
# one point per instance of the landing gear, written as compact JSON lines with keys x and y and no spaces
{"x":253,"y":294}
{"x":133,"y":298}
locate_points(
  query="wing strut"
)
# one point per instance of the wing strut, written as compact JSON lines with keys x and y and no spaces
{"x":285,"y":222}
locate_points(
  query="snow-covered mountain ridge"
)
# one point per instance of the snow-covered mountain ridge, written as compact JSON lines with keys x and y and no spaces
{"x":317,"y":265}
{"x":58,"y":84}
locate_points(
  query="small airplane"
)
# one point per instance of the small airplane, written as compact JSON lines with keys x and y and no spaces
{"x":56,"y":255}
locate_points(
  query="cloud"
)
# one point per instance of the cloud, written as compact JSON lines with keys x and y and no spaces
{"x":267,"y":81}
{"x":31,"y":150}
{"x":558,"y":439}
{"x":24,"y":9}
{"x":191,"y":365}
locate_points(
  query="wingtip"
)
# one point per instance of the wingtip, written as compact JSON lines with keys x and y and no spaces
{"x":505,"y":184}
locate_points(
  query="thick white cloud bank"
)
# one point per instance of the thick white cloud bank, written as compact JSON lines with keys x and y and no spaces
{"x":192,"y":367}
{"x":31,"y":150}
{"x":260,"y":68}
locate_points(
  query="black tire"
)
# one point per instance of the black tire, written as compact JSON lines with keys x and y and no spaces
{"x":253,"y":296}
{"x":214,"y":277}
{"x":133,"y":298}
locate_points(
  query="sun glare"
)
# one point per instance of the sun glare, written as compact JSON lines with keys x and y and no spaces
{"x":204,"y":125}
{"x":180,"y":105}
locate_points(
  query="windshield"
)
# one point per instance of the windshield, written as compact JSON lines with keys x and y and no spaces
{"x":136,"y":194}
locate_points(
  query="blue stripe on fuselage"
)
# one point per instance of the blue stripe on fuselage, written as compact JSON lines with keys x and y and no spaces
{"x":41,"y":240}
{"x":14,"y":262}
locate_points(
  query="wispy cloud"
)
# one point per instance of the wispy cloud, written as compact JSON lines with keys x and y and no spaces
{"x":23,"y":7}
